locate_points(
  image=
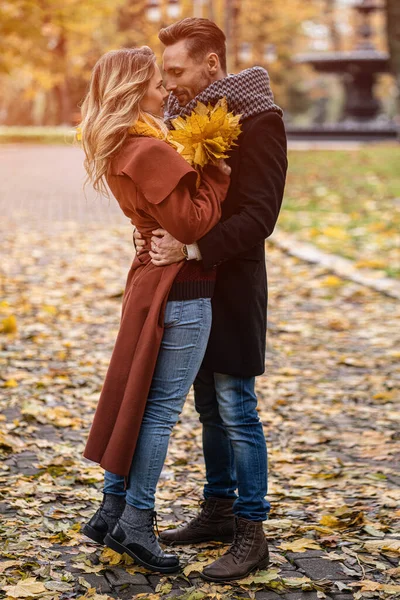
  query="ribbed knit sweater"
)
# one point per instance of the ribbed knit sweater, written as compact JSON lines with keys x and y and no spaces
{"x":193,"y":281}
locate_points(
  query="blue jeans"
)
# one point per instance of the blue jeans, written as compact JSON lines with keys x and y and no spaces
{"x":187,"y":328}
{"x":234,"y":446}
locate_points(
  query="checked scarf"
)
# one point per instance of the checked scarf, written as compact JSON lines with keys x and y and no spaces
{"x":248,"y":93}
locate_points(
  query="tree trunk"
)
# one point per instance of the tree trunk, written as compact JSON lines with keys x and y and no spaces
{"x":334,"y":35}
{"x":62,"y":89}
{"x":63,"y":103}
{"x":393,"y":33}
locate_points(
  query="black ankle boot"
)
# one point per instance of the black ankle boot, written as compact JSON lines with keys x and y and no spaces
{"x":105,"y":518}
{"x":134,"y":534}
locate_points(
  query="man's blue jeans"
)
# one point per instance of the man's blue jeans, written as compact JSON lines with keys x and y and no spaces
{"x":234,"y":446}
{"x":187,"y":328}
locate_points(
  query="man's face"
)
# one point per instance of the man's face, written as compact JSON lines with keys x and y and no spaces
{"x":183,"y":76}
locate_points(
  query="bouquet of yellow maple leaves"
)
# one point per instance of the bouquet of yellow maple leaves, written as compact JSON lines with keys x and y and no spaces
{"x":206,"y":135}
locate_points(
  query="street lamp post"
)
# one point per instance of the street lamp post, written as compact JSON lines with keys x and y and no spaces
{"x":154,"y":10}
{"x":245,"y":52}
{"x":270,"y":53}
{"x":173,"y":9}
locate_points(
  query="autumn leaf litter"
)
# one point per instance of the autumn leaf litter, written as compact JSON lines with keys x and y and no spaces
{"x":328,"y":401}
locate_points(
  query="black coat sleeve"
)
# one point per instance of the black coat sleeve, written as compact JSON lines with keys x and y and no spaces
{"x":261,"y":182}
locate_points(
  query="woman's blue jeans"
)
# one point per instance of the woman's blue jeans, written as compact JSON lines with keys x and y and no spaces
{"x":187,"y":328}
{"x":234,"y":445}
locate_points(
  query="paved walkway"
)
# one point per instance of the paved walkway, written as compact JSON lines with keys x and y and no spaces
{"x":327,"y":402}
{"x":44,"y":184}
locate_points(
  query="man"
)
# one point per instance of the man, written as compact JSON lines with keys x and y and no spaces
{"x":235,"y":452}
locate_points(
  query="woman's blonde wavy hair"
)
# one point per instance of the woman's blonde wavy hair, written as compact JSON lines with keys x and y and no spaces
{"x":119,"y":82}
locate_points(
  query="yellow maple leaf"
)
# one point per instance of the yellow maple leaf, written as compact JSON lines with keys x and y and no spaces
{"x":300,"y":545}
{"x":329,"y":521}
{"x":7,"y":564}
{"x":11,"y":383}
{"x":331,"y":281}
{"x":113,"y":558}
{"x":197,"y":566}
{"x":9,"y":324}
{"x":383,"y":545}
{"x":372,"y":263}
{"x":338,"y":233}
{"x":206,"y":135}
{"x":26,"y":588}
{"x":265,"y":576}
{"x":373,"y":586}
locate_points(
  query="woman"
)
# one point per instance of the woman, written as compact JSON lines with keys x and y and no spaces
{"x":166,"y":311}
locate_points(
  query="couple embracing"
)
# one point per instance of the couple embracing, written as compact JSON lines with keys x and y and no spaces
{"x":194,"y":306}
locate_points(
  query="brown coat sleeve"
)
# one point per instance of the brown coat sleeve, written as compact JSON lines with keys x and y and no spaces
{"x":188,"y":217}
{"x":154,"y":167}
{"x":167,"y":189}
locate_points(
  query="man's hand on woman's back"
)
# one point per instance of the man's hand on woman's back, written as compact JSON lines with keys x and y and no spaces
{"x":165,"y":249}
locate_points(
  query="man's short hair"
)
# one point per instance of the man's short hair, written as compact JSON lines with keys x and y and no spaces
{"x":202,"y":35}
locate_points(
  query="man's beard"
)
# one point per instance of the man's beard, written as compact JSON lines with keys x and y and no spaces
{"x":204,"y":81}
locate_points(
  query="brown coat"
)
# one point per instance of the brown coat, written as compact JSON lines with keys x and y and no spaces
{"x":154,"y":187}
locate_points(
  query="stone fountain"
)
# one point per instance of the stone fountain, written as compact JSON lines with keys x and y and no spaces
{"x":361,"y":115}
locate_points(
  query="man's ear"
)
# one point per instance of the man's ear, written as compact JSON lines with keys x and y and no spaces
{"x":213,"y":63}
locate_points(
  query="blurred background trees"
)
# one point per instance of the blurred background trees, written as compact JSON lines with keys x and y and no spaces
{"x":393,"y":34}
{"x":50,"y":46}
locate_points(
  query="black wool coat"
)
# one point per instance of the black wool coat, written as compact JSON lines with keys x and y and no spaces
{"x":236,"y":246}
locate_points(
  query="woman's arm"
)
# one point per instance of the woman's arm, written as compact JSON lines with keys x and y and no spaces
{"x":260,"y":189}
{"x":165,"y":188}
{"x":189,"y":217}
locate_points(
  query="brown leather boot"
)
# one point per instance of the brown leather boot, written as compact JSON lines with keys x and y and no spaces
{"x":214,"y":523}
{"x":248,"y":552}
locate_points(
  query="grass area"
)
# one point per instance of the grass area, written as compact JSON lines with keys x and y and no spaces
{"x":36,"y":135}
{"x":347,"y":203}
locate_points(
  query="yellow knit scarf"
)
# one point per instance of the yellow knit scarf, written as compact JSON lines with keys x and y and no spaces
{"x":145,"y":129}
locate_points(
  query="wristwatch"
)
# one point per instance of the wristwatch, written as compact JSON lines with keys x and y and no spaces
{"x":185,"y":252}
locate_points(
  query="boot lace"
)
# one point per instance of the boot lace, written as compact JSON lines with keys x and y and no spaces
{"x":203,"y":515}
{"x":150,"y":525}
{"x":239,"y":541}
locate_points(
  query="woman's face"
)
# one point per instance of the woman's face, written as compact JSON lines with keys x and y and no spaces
{"x":153,"y":101}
